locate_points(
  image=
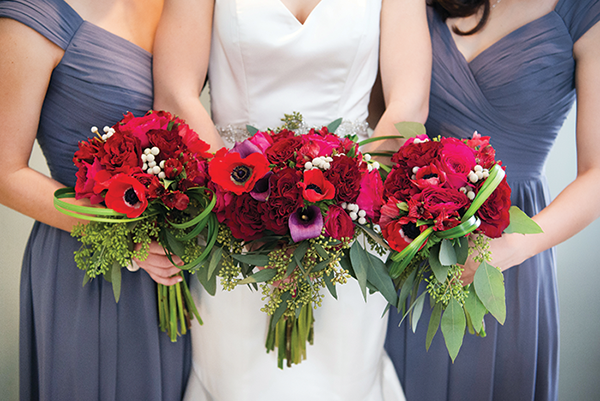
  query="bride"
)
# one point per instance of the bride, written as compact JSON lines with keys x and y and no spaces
{"x":267,"y":58}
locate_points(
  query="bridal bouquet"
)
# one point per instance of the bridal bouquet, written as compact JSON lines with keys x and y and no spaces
{"x":290,"y":208}
{"x":150,"y":174}
{"x":444,"y":199}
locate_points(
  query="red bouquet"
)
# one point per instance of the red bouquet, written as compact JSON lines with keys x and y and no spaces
{"x":444,"y":199}
{"x":291,"y":206}
{"x":151,"y":174}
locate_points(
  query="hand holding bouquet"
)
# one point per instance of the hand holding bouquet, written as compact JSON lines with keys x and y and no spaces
{"x":151,"y":174}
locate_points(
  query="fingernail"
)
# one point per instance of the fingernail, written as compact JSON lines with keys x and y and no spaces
{"x":179,"y":279}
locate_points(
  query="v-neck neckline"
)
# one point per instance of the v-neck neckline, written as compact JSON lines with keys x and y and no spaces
{"x":499,"y":41}
{"x":292,"y":15}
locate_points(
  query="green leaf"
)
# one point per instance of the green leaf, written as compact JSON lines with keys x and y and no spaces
{"x":406,"y":288}
{"x":115,"y":278}
{"x":86,"y":278}
{"x":417,"y":311}
{"x":489,"y":285}
{"x":322,"y":252}
{"x":251,"y":130}
{"x":285,"y":297}
{"x":475,"y":309}
{"x":379,"y":277}
{"x":208,"y":282}
{"x":215,"y":260}
{"x":440,"y":271}
{"x":434,"y":323}
{"x":260,"y":276}
{"x":521,"y":223}
{"x":359,"y":259}
{"x":332,"y":126}
{"x":461,"y":247}
{"x":447,"y":253}
{"x":453,"y":327}
{"x":174,"y":245}
{"x":409,"y":129}
{"x":330,"y":285}
{"x":254,"y":260}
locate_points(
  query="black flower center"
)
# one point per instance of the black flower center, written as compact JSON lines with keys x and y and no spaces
{"x":241,"y":174}
{"x":426,"y":176}
{"x":314,"y":188}
{"x":130,"y":197}
{"x":411,"y":230}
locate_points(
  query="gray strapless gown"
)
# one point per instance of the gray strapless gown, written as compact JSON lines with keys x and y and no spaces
{"x":76,"y":343}
{"x":519,"y":92}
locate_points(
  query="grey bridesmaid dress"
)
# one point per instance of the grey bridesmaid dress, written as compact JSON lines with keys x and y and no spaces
{"x":518,"y":92}
{"x":76,"y":343}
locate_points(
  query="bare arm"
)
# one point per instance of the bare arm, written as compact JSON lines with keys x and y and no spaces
{"x":577,"y":205}
{"x":26,"y":63}
{"x":181,"y":52}
{"x":405,"y":65}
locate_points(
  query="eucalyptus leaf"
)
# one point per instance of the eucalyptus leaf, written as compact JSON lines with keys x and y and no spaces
{"x":440,"y":271}
{"x":215,"y":260}
{"x":254,"y":260}
{"x":260,"y":276}
{"x":409,"y":129}
{"x":332,"y":126}
{"x":521,"y":223}
{"x":406,"y":287}
{"x":475,"y":309}
{"x":379,"y":277}
{"x":251,"y":130}
{"x":359,"y":259}
{"x":322,"y":252}
{"x":86,"y":278}
{"x":285,"y":297}
{"x":461,"y":247}
{"x":208,"y":282}
{"x":115,"y":278}
{"x":330,"y":285}
{"x":434,"y":324}
{"x":489,"y":285}
{"x":453,"y":327}
{"x":447,"y":253}
{"x":417,"y":311}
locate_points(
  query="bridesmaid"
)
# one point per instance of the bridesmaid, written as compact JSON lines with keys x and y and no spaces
{"x":511,"y":69}
{"x":65,"y":66}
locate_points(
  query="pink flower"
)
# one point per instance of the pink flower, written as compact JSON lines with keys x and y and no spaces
{"x":370,"y":197}
{"x":338,"y":224}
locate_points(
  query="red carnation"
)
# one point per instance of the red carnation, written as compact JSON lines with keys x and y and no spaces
{"x":122,"y":152}
{"x":285,"y":199}
{"x":282,"y":151}
{"x":345,"y":176}
{"x":244,"y":218}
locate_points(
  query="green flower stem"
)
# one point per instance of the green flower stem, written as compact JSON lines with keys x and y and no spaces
{"x":172,"y":331}
{"x":180,"y":308}
{"x":408,"y":253}
{"x":379,"y":138}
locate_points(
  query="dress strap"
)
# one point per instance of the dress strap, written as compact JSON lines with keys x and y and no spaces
{"x":54,"y":19}
{"x":579,"y":15}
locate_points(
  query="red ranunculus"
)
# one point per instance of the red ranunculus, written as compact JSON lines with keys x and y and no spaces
{"x":399,"y":185}
{"x":236,"y":174}
{"x":443,"y":204}
{"x":495,"y":211}
{"x":338,"y":224}
{"x":86,"y":181}
{"x":345,"y":176}
{"x":126,"y":195}
{"x":244,"y":218}
{"x":285,"y":199}
{"x":417,"y":154}
{"x":315,"y":187}
{"x":169,"y":142}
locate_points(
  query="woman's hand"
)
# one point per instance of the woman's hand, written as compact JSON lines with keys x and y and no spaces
{"x":507,"y":251}
{"x":158,"y":265}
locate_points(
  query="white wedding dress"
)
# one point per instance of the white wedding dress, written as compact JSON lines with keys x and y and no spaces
{"x":265,"y":63}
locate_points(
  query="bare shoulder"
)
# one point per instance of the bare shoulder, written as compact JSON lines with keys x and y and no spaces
{"x":22,"y":42}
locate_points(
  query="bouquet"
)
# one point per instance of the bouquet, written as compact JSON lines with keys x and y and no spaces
{"x":150,"y":174}
{"x":290,"y":208}
{"x":444,"y":199}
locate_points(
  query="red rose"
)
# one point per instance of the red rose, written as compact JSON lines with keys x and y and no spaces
{"x":495,"y":211}
{"x":122,"y":152}
{"x":315,"y":187}
{"x":444,"y":205}
{"x":86,"y":181}
{"x":139,"y":127}
{"x":456,"y":160}
{"x":345,"y":175}
{"x":126,"y":195}
{"x":282,"y":151}
{"x":244,"y":218}
{"x":338,"y":223}
{"x":285,"y":199}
